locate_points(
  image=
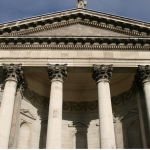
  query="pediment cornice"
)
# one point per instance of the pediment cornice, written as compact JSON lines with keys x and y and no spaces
{"x":75,"y":42}
{"x":76,"y":16}
{"x":27,"y":113}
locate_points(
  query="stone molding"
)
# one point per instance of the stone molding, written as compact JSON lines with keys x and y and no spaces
{"x":121,"y":24}
{"x":143,"y":74}
{"x":76,"y":47}
{"x":37,"y":99}
{"x":114,"y":121}
{"x":78,"y":124}
{"x":77,"y":21}
{"x":70,"y":106}
{"x":27,"y":113}
{"x":57,"y":71}
{"x":79,"y":89}
{"x":131,"y":113}
{"x":80,"y":106}
{"x":75,"y":42}
{"x":124,"y":97}
{"x":102,"y":72}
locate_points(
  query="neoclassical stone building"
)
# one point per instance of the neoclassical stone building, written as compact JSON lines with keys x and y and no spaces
{"x":75,"y":79}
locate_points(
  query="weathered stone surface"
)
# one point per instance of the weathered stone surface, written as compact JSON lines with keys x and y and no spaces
{"x":79,"y":38}
{"x":57,"y":71}
{"x":79,"y":29}
{"x":102,"y":72}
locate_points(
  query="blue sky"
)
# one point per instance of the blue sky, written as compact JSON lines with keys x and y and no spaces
{"x":18,"y":9}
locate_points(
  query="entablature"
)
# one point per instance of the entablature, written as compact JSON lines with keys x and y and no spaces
{"x":75,"y":42}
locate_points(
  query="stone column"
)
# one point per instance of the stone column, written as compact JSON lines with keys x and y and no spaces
{"x":102,"y":75}
{"x":15,"y":124}
{"x":54,"y":131}
{"x":143,"y":76}
{"x":13,"y":75}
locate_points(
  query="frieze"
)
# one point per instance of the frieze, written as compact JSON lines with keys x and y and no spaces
{"x":75,"y":47}
{"x":35,"y":98}
{"x":42,"y":101}
{"x":80,"y":106}
{"x":75,"y":42}
{"x":79,"y":90}
{"x":125,"y":96}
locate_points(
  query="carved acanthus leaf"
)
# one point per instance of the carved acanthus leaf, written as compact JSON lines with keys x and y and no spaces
{"x":143,"y":73}
{"x":102,"y":72}
{"x":57,"y":71}
{"x":14,"y":71}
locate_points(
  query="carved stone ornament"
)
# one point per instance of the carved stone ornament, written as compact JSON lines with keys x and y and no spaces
{"x":87,"y":106}
{"x":81,"y":3}
{"x":143,"y":73}
{"x":13,"y":71}
{"x":102,"y":72}
{"x":57,"y":71}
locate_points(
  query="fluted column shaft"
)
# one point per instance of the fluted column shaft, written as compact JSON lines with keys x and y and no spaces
{"x":13,"y":75}
{"x":102,"y":75}
{"x":54,"y":132}
{"x":143,"y":76}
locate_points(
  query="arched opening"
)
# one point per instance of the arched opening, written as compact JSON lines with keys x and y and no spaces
{"x":24,"y":136}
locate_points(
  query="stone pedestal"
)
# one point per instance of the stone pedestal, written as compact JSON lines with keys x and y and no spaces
{"x":54,"y":130}
{"x":13,"y":74}
{"x":102,"y":75}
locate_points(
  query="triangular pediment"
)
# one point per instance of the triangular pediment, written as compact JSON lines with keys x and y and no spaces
{"x":78,"y":29}
{"x":94,"y":21}
{"x":27,"y":113}
{"x":78,"y":124}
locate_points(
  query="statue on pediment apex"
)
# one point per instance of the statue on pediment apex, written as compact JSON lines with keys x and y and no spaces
{"x":81,"y":3}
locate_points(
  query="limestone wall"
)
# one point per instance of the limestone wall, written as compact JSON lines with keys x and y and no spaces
{"x":80,"y":125}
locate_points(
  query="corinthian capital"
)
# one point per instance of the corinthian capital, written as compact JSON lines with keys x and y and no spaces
{"x":13,"y":71}
{"x":143,"y":73}
{"x":102,"y":72}
{"x":57,"y":71}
